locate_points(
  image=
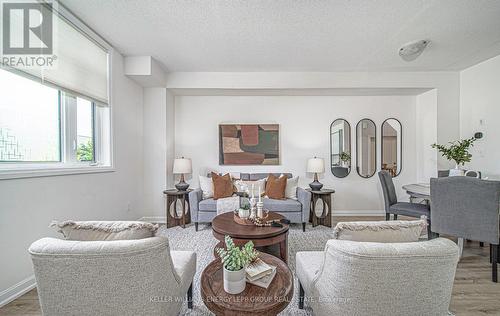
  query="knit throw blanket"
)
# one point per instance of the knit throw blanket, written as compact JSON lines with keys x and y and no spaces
{"x":229,"y":204}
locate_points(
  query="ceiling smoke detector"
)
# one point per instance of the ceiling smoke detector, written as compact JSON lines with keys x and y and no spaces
{"x":410,"y":51}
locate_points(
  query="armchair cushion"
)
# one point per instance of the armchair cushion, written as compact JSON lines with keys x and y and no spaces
{"x":307,"y":265}
{"x":104,"y":230}
{"x":380,"y":231}
{"x":413,"y":278}
{"x":184,"y":263}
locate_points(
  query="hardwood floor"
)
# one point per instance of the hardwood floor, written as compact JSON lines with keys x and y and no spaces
{"x":473,"y":292}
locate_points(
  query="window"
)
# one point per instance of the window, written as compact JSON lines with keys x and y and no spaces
{"x":43,"y":127}
{"x":55,"y":118}
{"x":29,"y":121}
{"x":84,"y":130}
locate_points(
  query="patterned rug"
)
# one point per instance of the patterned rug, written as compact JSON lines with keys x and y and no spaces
{"x":203,"y":243}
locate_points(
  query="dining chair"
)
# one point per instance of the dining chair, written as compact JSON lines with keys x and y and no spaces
{"x":392,"y":206}
{"x":467,"y":208}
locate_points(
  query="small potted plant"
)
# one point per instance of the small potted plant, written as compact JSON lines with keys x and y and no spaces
{"x":235,"y":260}
{"x":457,"y":151}
{"x":244,"y":211}
{"x":345,"y":157}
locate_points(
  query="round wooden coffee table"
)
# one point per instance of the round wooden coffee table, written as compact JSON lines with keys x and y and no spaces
{"x":254,"y":300}
{"x":224,"y":224}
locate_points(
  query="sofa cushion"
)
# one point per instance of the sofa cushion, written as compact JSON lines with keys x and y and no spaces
{"x":104,"y":230}
{"x":283,"y":206}
{"x":275,"y":187}
{"x":223,"y":186}
{"x":208,"y":205}
{"x":207,"y":187}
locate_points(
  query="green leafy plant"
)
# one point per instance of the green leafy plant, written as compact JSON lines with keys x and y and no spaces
{"x":245,"y":204}
{"x":345,"y":156}
{"x":235,"y":258}
{"x":457,"y":151}
{"x":85,"y":152}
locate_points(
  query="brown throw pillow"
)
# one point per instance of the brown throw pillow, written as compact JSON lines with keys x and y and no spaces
{"x":223,"y":186}
{"x":275,"y":187}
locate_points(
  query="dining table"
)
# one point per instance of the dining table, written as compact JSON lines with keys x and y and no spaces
{"x":418,"y":191}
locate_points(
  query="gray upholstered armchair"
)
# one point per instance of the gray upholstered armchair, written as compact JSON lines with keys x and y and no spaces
{"x":297,"y":211}
{"x":380,"y":277}
{"x":122,"y":277}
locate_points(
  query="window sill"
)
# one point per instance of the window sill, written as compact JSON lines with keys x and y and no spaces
{"x":52,"y":172}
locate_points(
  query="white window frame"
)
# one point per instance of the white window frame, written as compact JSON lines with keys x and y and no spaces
{"x":103,"y":140}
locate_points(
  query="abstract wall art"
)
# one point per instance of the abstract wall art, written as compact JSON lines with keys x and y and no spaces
{"x":249,"y":144}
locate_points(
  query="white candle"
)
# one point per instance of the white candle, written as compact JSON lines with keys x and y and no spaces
{"x":252,"y":191}
{"x":259,"y":195}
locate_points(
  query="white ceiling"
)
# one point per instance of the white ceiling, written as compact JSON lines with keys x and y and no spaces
{"x":300,"y":35}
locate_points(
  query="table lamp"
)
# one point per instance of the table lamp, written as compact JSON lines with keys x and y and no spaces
{"x":316,"y":165}
{"x":182,"y":166}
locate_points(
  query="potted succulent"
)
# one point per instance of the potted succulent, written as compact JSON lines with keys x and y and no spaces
{"x":235,"y":260}
{"x":457,"y":151}
{"x":345,"y":157}
{"x":244,"y":211}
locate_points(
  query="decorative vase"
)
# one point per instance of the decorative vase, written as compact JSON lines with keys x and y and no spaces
{"x":234,"y":281}
{"x":456,"y":172}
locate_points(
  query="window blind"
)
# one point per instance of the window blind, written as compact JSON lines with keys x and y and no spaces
{"x":81,"y":65}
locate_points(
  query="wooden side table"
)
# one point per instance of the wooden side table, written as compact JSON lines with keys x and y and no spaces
{"x":323,"y":198}
{"x":253,"y":300}
{"x":177,"y":201}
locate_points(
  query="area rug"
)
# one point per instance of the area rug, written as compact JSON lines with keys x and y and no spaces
{"x":203,"y":243}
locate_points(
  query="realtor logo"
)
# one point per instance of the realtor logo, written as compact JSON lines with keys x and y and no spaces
{"x":27,"y":28}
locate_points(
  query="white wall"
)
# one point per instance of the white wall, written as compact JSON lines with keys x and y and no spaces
{"x":304,"y":133}
{"x":447,"y":87}
{"x":159,"y":147}
{"x":27,"y":206}
{"x":427,"y":125}
{"x":480,"y":100}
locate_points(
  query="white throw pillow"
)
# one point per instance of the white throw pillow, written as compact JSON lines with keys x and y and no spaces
{"x":381,"y":231}
{"x":246,"y":186}
{"x":105,"y":230}
{"x":291,"y":188}
{"x":207,"y":187}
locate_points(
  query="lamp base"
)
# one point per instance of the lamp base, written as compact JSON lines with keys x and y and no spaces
{"x":182,"y":186}
{"x":316,"y":185}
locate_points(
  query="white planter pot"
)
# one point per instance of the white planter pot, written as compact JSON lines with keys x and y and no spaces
{"x":243,"y":213}
{"x":456,"y":172}
{"x":234,"y":281}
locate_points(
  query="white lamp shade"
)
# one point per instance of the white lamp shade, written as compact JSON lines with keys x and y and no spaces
{"x":182,"y":166}
{"x":316,"y":165}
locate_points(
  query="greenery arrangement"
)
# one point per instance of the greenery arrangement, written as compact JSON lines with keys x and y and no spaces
{"x":457,"y":151}
{"x":245,"y":204}
{"x":85,"y":152}
{"x":235,"y":258}
{"x":345,"y":157}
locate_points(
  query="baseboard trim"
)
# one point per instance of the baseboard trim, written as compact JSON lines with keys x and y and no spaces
{"x":153,"y":219}
{"x":161,"y":219}
{"x":15,"y":291}
{"x":358,"y":213}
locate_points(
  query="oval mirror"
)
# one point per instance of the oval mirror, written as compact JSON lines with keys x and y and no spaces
{"x":392,"y":140}
{"x":366,"y":148}
{"x":340,"y":148}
